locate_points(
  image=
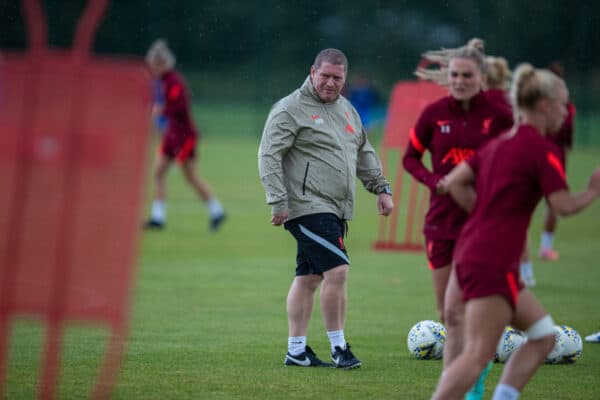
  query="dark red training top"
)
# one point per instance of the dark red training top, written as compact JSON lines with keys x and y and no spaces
{"x":177,"y":106}
{"x":512,"y":175}
{"x":451,"y":135}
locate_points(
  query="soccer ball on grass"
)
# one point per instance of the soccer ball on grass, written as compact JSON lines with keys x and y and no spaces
{"x":426,"y":340}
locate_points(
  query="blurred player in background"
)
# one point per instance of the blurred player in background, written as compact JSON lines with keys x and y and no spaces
{"x":365,"y":99}
{"x":593,"y":338}
{"x":497,"y":81}
{"x":172,"y":100}
{"x":564,"y":141}
{"x":501,"y":186}
{"x":451,"y":128}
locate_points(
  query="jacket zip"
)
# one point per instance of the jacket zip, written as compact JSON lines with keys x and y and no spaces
{"x":304,"y":181}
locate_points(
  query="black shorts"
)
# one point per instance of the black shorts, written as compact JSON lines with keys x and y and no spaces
{"x":320,"y":239}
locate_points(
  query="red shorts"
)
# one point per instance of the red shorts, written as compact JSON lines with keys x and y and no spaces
{"x":478,"y":280}
{"x":439,"y":252}
{"x":175,"y":147}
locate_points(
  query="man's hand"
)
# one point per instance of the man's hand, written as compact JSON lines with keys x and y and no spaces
{"x":279,"y":218}
{"x":385,"y":205}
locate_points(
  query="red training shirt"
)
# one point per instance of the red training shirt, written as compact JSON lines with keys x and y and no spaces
{"x":499,"y":97}
{"x":451,"y":135}
{"x":512,"y":175}
{"x":177,"y":106}
{"x":564,"y":137}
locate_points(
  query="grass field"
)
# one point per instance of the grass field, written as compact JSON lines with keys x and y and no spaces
{"x":209,"y":317}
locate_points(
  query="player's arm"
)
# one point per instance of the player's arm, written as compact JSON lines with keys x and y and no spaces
{"x":278,"y":136}
{"x":412,"y":160}
{"x":459,"y":183}
{"x":565,"y":203}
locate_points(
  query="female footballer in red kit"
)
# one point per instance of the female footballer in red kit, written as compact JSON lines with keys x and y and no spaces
{"x":501,"y":186}
{"x":180,"y":139}
{"x":451,"y":129}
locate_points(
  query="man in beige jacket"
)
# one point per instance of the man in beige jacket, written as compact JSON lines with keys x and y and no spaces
{"x":312,"y":150}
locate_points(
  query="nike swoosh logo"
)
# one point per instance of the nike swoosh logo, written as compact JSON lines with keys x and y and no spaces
{"x":304,"y":363}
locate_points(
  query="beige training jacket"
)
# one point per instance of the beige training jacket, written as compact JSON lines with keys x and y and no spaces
{"x":310,"y":154}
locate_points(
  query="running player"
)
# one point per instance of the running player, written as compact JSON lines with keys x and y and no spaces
{"x":179,"y":140}
{"x":564,"y":141}
{"x":502,"y":184}
{"x":452,"y":128}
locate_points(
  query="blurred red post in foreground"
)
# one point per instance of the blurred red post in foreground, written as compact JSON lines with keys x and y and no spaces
{"x":72,"y":153}
{"x":407,"y":101}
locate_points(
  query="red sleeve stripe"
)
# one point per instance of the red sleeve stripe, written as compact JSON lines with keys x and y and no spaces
{"x":186,"y":149}
{"x":556,"y":164}
{"x":414,"y":140}
{"x":514,"y":288}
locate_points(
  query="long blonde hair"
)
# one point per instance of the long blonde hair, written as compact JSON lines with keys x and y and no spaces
{"x":498,"y":73}
{"x":473,"y":50}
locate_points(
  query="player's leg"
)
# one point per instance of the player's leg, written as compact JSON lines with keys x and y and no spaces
{"x":454,"y":319}
{"x":440,"y":277}
{"x":526,"y":266}
{"x":158,"y":213}
{"x":300,"y":301}
{"x":439,"y":258}
{"x":200,"y":185}
{"x":485,"y":319}
{"x":539,"y":328}
{"x":547,"y":251}
{"x":333,"y":297}
{"x":333,"y":307}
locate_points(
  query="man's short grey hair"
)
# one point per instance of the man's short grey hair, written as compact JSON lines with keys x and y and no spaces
{"x":332,"y":56}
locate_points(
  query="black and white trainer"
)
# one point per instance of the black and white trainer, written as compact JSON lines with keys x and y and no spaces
{"x":306,"y":359}
{"x":153,"y":224}
{"x":343,"y":358}
{"x":216,"y":222}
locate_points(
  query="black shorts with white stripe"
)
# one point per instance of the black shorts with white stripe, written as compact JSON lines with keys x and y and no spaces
{"x":320,"y":239}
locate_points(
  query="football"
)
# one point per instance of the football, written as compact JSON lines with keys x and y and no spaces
{"x":567,"y":346}
{"x":426,"y":340}
{"x":572,"y":344}
{"x":510,"y":341}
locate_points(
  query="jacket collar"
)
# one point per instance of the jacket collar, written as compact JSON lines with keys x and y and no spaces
{"x":475,"y":101}
{"x":307,"y":89}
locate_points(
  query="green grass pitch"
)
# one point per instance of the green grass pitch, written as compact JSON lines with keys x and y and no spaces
{"x":209,"y":322}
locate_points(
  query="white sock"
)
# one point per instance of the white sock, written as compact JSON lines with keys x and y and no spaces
{"x":505,"y":392}
{"x":296,"y":345}
{"x":214,"y":207}
{"x":526,"y":269}
{"x":336,"y":338}
{"x":159,"y":211}
{"x":547,"y":240}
